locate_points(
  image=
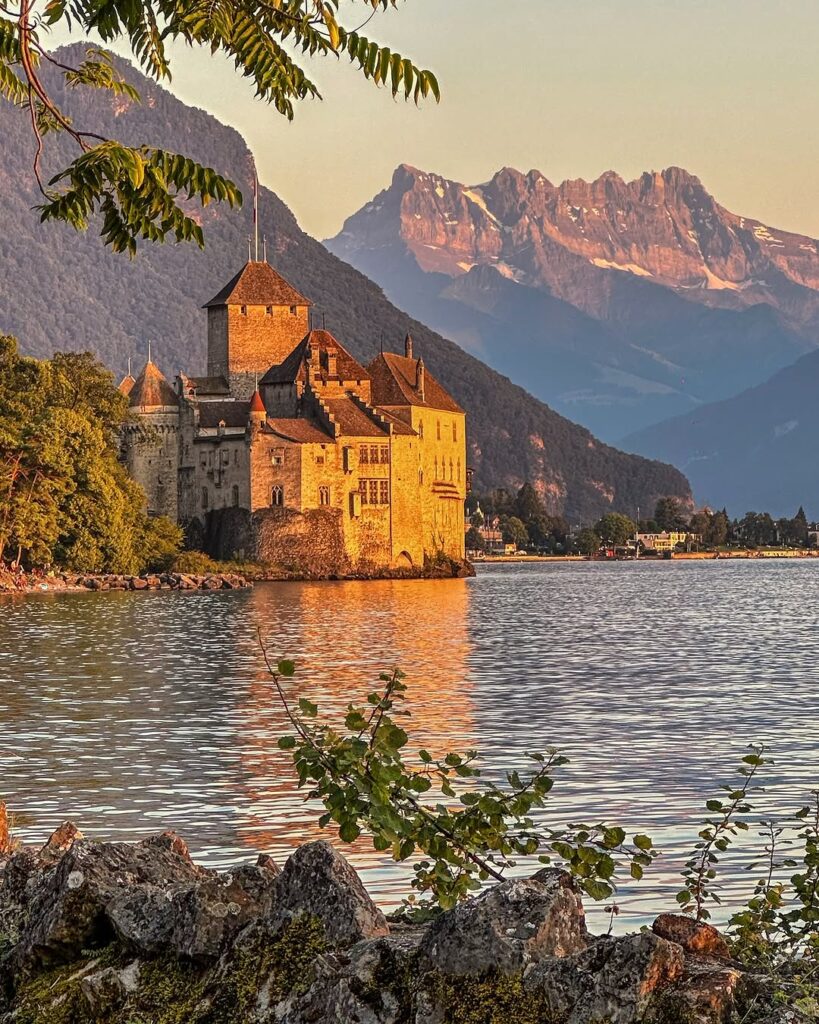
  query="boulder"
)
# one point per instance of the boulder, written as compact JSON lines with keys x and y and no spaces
{"x":614,"y":980}
{"x":107,"y":990}
{"x":68,"y":909}
{"x":708,"y":992}
{"x":138,"y":583}
{"x":693,"y":936}
{"x":319,"y":881}
{"x":513,"y":924}
{"x":59,"y":843}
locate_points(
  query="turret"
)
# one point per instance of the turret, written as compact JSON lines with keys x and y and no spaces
{"x":419,"y":379}
{"x":254,"y":322}
{"x":408,"y":346}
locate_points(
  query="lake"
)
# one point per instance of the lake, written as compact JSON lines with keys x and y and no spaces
{"x":135,"y":712}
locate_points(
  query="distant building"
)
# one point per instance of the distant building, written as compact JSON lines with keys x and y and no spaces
{"x":291,"y":451}
{"x":665,"y":541}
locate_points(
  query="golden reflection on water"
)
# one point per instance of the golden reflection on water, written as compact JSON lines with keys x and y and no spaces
{"x":333,"y":632}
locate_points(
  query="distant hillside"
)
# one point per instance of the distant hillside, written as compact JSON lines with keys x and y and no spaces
{"x":620,"y":303}
{"x":58,"y":290}
{"x":753,"y":452}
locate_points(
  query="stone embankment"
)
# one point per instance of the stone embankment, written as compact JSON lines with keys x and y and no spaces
{"x":120,"y":933}
{"x":40,"y":582}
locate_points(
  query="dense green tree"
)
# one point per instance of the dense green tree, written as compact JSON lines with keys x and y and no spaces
{"x":718,"y":529}
{"x":615,"y":529}
{"x":513,"y":531}
{"x":143,"y":192}
{"x":588,"y":542}
{"x":474,"y":540}
{"x":528,"y":505}
{"x":668,"y":515}
{"x":64,"y":496}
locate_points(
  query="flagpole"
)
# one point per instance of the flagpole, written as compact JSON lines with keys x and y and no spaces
{"x":256,"y":212}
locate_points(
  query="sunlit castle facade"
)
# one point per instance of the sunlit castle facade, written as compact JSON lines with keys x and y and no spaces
{"x":290,"y":451}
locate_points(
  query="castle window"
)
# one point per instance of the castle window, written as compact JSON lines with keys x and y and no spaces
{"x":439,"y":429}
{"x":324,"y":495}
{"x":450,"y":470}
{"x":385,"y":453}
{"x":277,"y":496}
{"x":235,"y":492}
{"x":384,"y":492}
{"x":292,"y":310}
{"x":277,"y":457}
{"x":364,"y":454}
{"x":454,"y":431}
{"x":436,"y":468}
{"x":269,"y":310}
{"x":243,"y":310}
{"x":459,"y":470}
{"x":373,"y":492}
{"x":374,"y":454}
{"x":420,"y":476}
{"x":421,"y":429}
{"x":204,"y":498}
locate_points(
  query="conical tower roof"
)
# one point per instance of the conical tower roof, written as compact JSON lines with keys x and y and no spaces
{"x":151,"y":389}
{"x":126,"y":384}
{"x":258,"y":284}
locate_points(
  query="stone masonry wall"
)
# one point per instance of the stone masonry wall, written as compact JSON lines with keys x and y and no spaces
{"x":241,"y":345}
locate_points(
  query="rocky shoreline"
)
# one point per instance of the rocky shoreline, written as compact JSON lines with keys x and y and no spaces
{"x":41,"y":582}
{"x":139,"y":934}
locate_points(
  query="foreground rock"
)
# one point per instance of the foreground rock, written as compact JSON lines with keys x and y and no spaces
{"x":124,"y":933}
{"x":40,"y":582}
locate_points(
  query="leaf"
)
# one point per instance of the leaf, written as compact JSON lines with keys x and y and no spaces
{"x":286,"y":742}
{"x":643,"y":842}
{"x":349,"y":831}
{"x":307,"y":707}
{"x":286,"y":668}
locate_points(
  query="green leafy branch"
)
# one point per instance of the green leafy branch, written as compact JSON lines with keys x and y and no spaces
{"x":262,"y":37}
{"x":430,"y":810}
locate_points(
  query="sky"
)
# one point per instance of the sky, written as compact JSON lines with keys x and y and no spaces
{"x":728,"y":89}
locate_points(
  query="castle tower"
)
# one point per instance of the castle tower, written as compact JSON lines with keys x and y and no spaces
{"x":150,"y":441}
{"x":254,"y":323}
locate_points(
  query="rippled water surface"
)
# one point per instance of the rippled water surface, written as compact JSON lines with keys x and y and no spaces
{"x":133,"y":712}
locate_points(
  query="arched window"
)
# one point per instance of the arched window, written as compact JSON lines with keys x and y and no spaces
{"x":421,"y":429}
{"x":451,"y":471}
{"x":420,"y":476}
{"x":204,"y":497}
{"x":436,"y":467}
{"x":236,"y":495}
{"x":324,"y":495}
{"x":277,"y":496}
{"x":438,"y":427}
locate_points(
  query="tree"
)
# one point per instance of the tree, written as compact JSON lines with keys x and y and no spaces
{"x":587,"y":542}
{"x":474,"y":540}
{"x":514,"y":531}
{"x":615,"y":529}
{"x":66,"y":499}
{"x":717,"y":532}
{"x":144,"y":192}
{"x":668,"y":515}
{"x":528,"y":505}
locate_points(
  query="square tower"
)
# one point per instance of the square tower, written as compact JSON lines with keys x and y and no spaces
{"x":254,"y":322}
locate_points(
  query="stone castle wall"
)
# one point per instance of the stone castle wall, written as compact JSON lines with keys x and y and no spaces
{"x":242,"y":345}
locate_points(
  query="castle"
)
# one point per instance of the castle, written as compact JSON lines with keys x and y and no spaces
{"x":289,"y":451}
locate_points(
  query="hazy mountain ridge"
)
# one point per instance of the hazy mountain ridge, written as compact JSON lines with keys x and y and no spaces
{"x":692,"y":303}
{"x":60,"y":290}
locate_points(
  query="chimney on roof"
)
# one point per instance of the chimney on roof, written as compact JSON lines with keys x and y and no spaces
{"x":408,"y":346}
{"x":419,"y":379}
{"x":332,"y":362}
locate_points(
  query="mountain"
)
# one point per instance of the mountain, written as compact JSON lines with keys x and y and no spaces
{"x":620,"y":303}
{"x":59,"y":290}
{"x":753,"y":452}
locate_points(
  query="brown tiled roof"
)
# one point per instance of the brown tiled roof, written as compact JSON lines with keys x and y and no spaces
{"x":398,"y":425}
{"x":126,"y":384}
{"x":232,"y":414}
{"x":209,"y":385}
{"x":151,"y":389}
{"x":354,"y":422}
{"x":256,"y":403}
{"x":394,"y":379}
{"x":258,"y":284}
{"x":295,"y":365}
{"x":303,"y":431}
